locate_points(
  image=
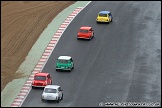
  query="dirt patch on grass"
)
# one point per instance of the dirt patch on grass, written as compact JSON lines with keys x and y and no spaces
{"x":22,"y":22}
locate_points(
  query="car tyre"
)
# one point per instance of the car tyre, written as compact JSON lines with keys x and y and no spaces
{"x":42,"y":100}
{"x":58,"y":100}
{"x":33,"y":87}
{"x":111,"y":19}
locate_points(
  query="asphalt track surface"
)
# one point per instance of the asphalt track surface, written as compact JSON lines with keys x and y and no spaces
{"x":120,"y":64}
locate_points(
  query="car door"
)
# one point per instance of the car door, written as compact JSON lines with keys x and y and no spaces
{"x":71,"y":61}
{"x":48,"y":79}
{"x":110,"y":15}
{"x":59,"y":92}
{"x":90,"y":32}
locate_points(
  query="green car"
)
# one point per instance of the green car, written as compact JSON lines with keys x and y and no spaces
{"x":64,"y":63}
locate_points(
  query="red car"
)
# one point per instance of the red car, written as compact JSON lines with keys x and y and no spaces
{"x":41,"y":80}
{"x":85,"y":32}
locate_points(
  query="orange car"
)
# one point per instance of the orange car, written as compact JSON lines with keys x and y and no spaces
{"x":85,"y":32}
{"x":41,"y":80}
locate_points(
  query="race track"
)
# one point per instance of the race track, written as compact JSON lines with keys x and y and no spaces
{"x":120,"y":64}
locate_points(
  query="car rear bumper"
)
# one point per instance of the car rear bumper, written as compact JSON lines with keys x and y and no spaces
{"x":101,"y":21}
{"x":63,"y":69}
{"x":38,"y":86}
{"x":83,"y":37}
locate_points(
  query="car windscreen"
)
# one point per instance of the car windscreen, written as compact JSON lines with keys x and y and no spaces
{"x":83,"y":31}
{"x":40,"y":78}
{"x":102,"y":15}
{"x":50,"y":90}
{"x":62,"y":61}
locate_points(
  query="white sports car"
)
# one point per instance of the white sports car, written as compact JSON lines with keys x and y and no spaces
{"x":52,"y":92}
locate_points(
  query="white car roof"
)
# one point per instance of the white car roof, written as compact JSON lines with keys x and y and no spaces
{"x":64,"y":57}
{"x":52,"y":86}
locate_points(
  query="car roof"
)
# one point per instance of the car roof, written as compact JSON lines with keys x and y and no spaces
{"x":52,"y":86}
{"x":41,"y":74}
{"x":104,"y":12}
{"x":85,"y":27}
{"x":64,"y":57}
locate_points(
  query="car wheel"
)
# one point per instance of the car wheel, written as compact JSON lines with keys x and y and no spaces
{"x":97,"y":22}
{"x":33,"y":87}
{"x":111,"y":19}
{"x":62,"y":96}
{"x":42,"y":100}
{"x":58,"y":100}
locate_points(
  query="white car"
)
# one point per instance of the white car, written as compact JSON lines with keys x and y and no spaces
{"x":52,"y":92}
